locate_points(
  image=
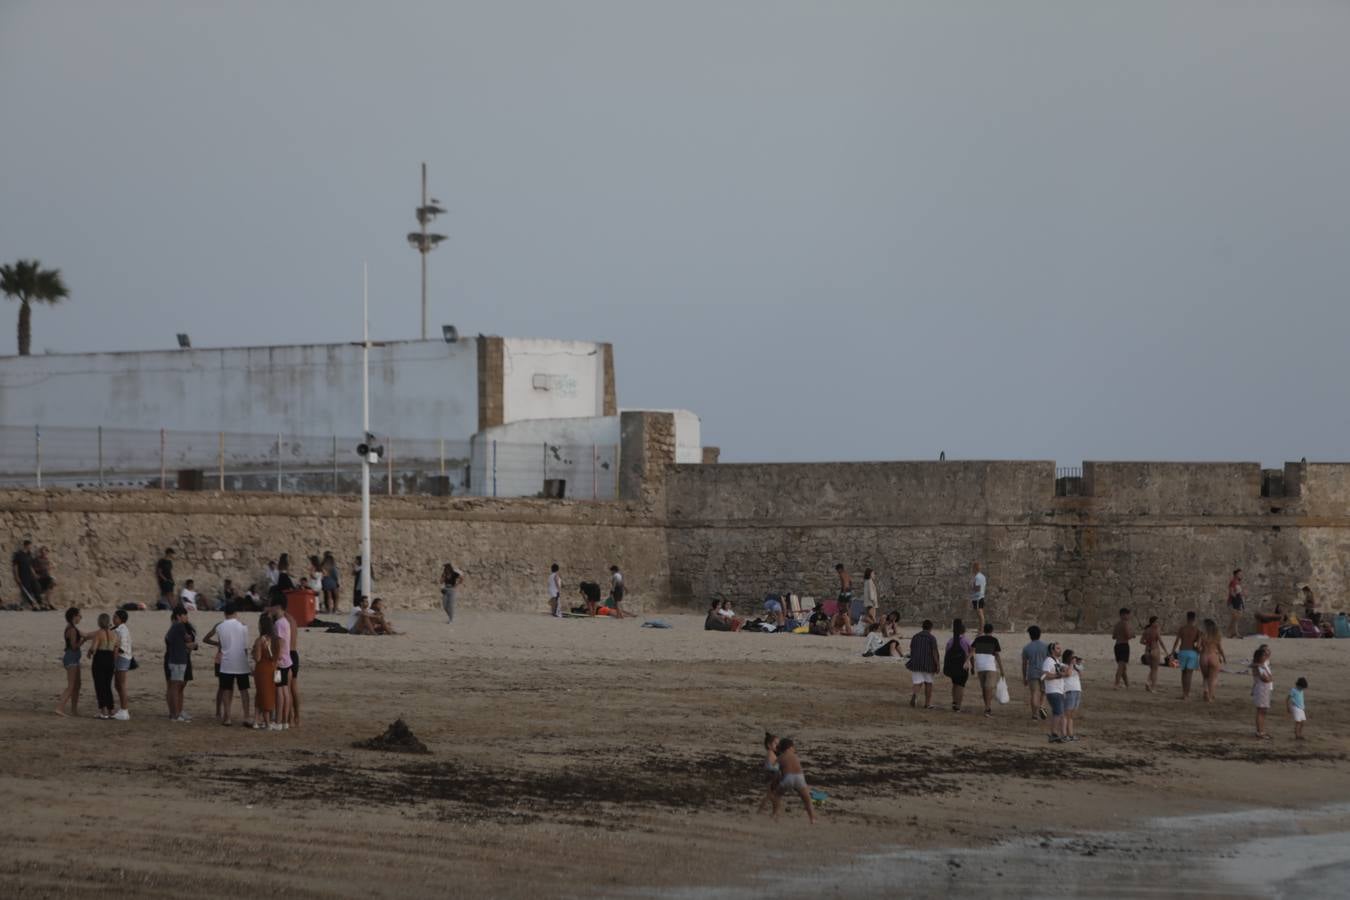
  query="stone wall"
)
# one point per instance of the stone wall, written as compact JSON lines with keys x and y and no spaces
{"x":104,"y":545}
{"x":1158,"y":537}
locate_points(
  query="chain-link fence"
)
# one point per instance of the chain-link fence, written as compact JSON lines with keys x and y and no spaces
{"x":124,"y":458}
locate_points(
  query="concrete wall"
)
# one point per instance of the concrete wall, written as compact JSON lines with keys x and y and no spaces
{"x":418,"y":389}
{"x":104,"y":545}
{"x":551,"y":379}
{"x":584,"y":452}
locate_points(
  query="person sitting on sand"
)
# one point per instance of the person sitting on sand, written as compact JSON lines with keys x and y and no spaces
{"x":890,"y":625}
{"x":359,"y":621}
{"x":715,"y":621}
{"x":819,"y":623}
{"x":773,"y":605}
{"x":379,"y":619}
{"x":728,"y":614}
{"x":791,"y":779}
{"x":879,"y":645}
{"x":842,"y":623}
{"x":771,"y":770}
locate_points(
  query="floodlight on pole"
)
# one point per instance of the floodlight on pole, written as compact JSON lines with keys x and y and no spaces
{"x":424,"y":242}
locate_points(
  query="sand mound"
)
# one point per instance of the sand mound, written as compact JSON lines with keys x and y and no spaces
{"x":397,"y":738}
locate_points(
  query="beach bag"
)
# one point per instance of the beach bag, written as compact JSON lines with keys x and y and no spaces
{"x":1001,"y":691}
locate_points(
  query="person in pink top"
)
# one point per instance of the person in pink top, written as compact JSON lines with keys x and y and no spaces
{"x":277,"y":611}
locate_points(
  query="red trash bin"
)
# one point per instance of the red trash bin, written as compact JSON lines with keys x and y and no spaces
{"x":300,"y":604}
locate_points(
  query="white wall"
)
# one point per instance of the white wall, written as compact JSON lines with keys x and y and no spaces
{"x":548,"y":379}
{"x":582,"y":451}
{"x":420,"y":389}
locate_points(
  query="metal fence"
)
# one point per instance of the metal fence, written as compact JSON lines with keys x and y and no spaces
{"x":123,"y":458}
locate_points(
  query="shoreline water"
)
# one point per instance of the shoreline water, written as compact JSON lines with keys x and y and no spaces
{"x":1251,"y":853}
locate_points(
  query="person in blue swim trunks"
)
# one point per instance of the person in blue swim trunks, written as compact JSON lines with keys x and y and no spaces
{"x":1187,"y":648}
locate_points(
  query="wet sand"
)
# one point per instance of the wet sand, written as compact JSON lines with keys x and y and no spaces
{"x":594,"y":757}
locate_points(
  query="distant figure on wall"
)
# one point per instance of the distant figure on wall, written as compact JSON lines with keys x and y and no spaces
{"x":977,"y":588}
{"x":164,"y":579}
{"x":1236,"y":602}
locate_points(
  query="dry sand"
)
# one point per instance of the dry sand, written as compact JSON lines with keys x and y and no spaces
{"x":598,"y":758}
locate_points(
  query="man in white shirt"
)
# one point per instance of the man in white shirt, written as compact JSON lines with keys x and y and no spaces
{"x":231,"y":636}
{"x":188,"y":596}
{"x":555,"y":592}
{"x":977,"y":585}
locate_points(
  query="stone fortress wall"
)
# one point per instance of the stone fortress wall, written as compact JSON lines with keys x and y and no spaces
{"x":1158,"y":537}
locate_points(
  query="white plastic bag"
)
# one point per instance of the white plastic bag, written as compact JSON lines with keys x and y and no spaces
{"x":1001,"y":691}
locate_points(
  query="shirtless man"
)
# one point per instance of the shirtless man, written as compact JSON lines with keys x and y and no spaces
{"x":1187,"y":648}
{"x":845,"y":585}
{"x":1122,"y":635}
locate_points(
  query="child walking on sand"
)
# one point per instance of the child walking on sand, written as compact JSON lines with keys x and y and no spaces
{"x":1295,"y":706}
{"x":771,"y":769}
{"x":791,"y":778}
{"x":1262,"y":684}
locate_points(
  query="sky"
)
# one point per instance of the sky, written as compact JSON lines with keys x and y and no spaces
{"x":836,"y":231}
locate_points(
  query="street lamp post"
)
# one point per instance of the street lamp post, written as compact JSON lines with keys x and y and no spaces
{"x":366,"y":584}
{"x":424,"y":242}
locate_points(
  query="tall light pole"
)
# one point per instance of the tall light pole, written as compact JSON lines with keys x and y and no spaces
{"x":423,"y":242}
{"x":366,"y":584}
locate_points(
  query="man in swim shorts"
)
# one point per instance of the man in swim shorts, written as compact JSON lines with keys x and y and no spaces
{"x":1187,"y":648}
{"x":1122,"y":635}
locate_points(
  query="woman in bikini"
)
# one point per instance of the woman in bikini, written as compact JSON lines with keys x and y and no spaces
{"x":70,"y":659}
{"x":1211,"y":658}
{"x":103,"y":646}
{"x":1153,"y":651}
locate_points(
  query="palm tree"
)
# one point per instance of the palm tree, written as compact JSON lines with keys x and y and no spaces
{"x":27,"y":282}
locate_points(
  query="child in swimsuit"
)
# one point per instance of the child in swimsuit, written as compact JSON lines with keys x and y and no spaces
{"x":771,"y":769}
{"x":1295,"y":706}
{"x":791,"y":778}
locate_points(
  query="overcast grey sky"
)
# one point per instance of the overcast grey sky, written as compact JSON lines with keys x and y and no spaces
{"x":836,"y":230}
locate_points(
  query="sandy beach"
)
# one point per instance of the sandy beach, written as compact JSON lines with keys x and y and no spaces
{"x":598,"y":758}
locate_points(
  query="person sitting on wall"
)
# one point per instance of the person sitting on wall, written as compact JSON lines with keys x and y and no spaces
{"x":590,"y":592}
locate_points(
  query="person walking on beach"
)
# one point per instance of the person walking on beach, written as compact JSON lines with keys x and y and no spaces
{"x":1152,"y":640}
{"x":1212,"y":658}
{"x":845,"y":598}
{"x":978,"y":584}
{"x":450,"y":581}
{"x":1236,"y":603}
{"x":1186,"y":646}
{"x":178,"y":642}
{"x":792,"y":778}
{"x":616,"y":594}
{"x":988,"y":666}
{"x":923,"y":664}
{"x":1122,"y":635}
{"x":1073,"y":693}
{"x":1297,"y":710}
{"x":122,"y":664}
{"x":957,"y":663}
{"x":103,"y":653}
{"x":1052,"y":676}
{"x":231,"y":636}
{"x":1263,"y":684}
{"x":555,"y":602}
{"x":1033,"y":658}
{"x":871,"y":604}
{"x":72,"y":640}
{"x":265,"y":671}
{"x":164,"y":579}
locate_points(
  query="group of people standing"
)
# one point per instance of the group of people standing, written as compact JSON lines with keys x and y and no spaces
{"x":32,"y":573}
{"x":272,"y":659}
